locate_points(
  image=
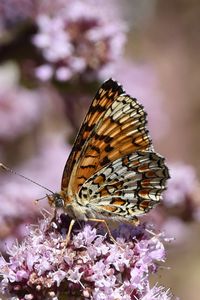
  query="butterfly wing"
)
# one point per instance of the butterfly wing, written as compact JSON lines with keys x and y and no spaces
{"x":127,"y":187}
{"x":108,"y":92}
{"x":115,"y":126}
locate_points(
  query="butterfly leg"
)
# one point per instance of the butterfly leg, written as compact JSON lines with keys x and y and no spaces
{"x":107,"y":228}
{"x":69,"y":232}
{"x":54,"y":216}
{"x":135,"y":221}
{"x":67,"y":239}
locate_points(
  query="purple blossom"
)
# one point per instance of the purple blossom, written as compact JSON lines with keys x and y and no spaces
{"x":78,"y":38}
{"x":17,"y":206}
{"x":157,"y":292}
{"x":20,"y":111}
{"x":90,"y":266}
{"x":176,"y":227}
{"x":181,"y":197}
{"x":181,"y":185}
{"x":180,"y":203}
{"x":14,"y":12}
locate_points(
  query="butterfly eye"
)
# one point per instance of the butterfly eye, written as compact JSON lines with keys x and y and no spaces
{"x":58,"y":201}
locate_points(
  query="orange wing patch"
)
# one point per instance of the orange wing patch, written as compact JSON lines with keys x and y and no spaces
{"x":105,"y":96}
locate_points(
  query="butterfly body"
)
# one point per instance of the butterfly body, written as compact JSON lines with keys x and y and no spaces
{"x":75,"y":208}
{"x":113,"y":171}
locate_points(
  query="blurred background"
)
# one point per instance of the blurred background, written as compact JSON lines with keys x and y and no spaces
{"x":54,"y":55}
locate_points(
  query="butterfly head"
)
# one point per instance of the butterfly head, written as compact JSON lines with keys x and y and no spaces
{"x":56,"y":200}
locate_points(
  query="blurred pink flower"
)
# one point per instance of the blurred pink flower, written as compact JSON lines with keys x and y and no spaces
{"x":17,"y":206}
{"x":20,"y":110}
{"x":181,"y":199}
{"x":158,"y":292}
{"x":14,"y":12}
{"x":174,"y":226}
{"x":141,"y":82}
{"x":79,"y":38}
{"x":89,"y":267}
{"x":180,"y":203}
{"x":181,"y":185}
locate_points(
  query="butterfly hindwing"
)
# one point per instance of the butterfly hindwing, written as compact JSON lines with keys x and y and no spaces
{"x":127,"y":187}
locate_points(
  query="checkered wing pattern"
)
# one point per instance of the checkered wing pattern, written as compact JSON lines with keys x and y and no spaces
{"x":127,"y":187}
{"x":112,"y":164}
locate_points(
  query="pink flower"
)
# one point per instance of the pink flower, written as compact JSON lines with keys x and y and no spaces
{"x":180,"y":203}
{"x":13,"y":12}
{"x":20,"y":111}
{"x":157,"y":292}
{"x":43,"y":268}
{"x":17,"y":206}
{"x":181,"y":197}
{"x":78,"y":38}
{"x":181,"y":185}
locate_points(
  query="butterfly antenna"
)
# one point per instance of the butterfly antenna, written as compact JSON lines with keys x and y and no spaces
{"x":39,"y":199}
{"x":13,"y":172}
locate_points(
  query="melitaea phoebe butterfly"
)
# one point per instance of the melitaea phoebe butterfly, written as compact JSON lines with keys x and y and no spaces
{"x":113,"y":171}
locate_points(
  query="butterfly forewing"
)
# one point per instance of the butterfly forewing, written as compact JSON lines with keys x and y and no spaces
{"x":114,"y":126}
{"x":108,"y":92}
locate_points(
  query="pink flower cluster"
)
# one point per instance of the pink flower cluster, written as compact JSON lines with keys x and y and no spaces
{"x":14,"y":12}
{"x":20,"y":110}
{"x":181,"y":186}
{"x":180,"y":203}
{"x":17,"y":206}
{"x":90,"y":266}
{"x":80,"y":37}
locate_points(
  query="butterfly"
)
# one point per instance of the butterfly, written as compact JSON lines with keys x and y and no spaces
{"x":113,"y":172}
